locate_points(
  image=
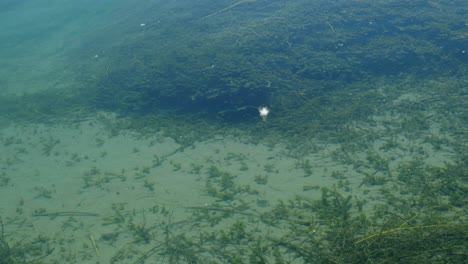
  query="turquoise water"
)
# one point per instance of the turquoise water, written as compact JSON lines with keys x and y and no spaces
{"x":131,"y":131}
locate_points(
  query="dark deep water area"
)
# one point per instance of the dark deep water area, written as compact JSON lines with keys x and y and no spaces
{"x":233,"y":131}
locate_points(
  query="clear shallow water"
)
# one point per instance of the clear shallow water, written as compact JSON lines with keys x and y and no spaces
{"x":130,"y":132}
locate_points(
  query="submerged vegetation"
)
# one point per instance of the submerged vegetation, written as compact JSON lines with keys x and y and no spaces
{"x":257,"y":53}
{"x":380,"y":85}
{"x":331,"y":229}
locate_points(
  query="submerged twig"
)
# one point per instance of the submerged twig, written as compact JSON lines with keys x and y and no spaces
{"x":229,"y":7}
{"x":55,"y":214}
